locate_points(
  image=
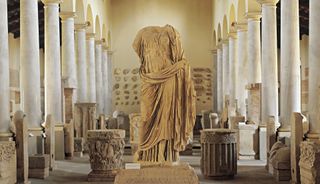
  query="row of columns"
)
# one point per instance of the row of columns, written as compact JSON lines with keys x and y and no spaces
{"x":85,"y":64}
{"x":240,"y":62}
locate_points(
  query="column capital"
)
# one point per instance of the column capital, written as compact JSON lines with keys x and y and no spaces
{"x":225,"y":41}
{"x":90,"y":35}
{"x":268,"y":2}
{"x":253,"y":15}
{"x":242,"y":26}
{"x":67,"y":15}
{"x":48,"y":2}
{"x":79,"y":26}
{"x":233,"y":35}
{"x":98,"y":42}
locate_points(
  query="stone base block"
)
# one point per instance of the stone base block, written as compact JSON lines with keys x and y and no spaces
{"x":59,"y":142}
{"x":8,"y":164}
{"x":282,"y":174}
{"x":249,"y":142}
{"x":39,"y":166}
{"x":78,"y":146}
{"x":39,"y":173}
{"x":181,"y":173}
{"x":78,"y":154}
{"x":101,"y":176}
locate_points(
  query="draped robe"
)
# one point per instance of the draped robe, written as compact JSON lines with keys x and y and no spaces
{"x":167,"y":95}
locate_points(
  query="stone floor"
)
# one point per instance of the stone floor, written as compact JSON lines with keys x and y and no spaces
{"x":76,"y":170}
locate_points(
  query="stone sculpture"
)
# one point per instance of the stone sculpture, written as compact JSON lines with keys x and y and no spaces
{"x":163,"y":72}
{"x":106,"y":148}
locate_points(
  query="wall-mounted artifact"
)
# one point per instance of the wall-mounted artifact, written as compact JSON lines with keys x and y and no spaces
{"x":197,"y":75}
{"x":126,"y":86}
{"x":127,"y":103}
{"x":198,"y":81}
{"x":117,"y":78}
{"x":135,"y":92}
{"x":126,"y":71}
{"x":117,"y":71}
{"x":135,"y":86}
{"x":126,"y":92}
{"x":116,"y":86}
{"x":126,"y":78}
{"x":117,"y":92}
{"x":118,"y":98}
{"x":135,"y":71}
{"x":134,"y":78}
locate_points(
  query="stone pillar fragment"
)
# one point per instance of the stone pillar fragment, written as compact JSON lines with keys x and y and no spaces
{"x":8,"y":164}
{"x":233,"y":65}
{"x":107,"y":64}
{"x":53,"y":98}
{"x":49,"y":147}
{"x":135,"y":123}
{"x":22,"y":147}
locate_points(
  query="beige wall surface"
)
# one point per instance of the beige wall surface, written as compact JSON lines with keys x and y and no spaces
{"x":192,"y":19}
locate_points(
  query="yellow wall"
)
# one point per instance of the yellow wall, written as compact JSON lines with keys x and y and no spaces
{"x":191,"y":18}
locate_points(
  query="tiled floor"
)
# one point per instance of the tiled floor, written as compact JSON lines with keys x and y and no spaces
{"x":76,"y":170}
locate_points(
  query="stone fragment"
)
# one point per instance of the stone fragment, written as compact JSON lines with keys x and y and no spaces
{"x":106,"y":148}
{"x":218,"y":153}
{"x":69,"y":140}
{"x":21,"y":133}
{"x":135,"y":123}
{"x":8,"y":164}
{"x":309,"y":162}
{"x":39,"y":166}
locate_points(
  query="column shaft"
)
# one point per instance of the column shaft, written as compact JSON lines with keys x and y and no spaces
{"x":314,"y":66}
{"x":30,"y":62}
{"x":80,"y":39}
{"x":233,"y":65}
{"x":108,"y":82}
{"x":220,"y":79}
{"x":214,"y":80}
{"x":254,"y":49}
{"x":242,"y":71}
{"x":4,"y":70}
{"x":290,"y":63}
{"x":52,"y":81}
{"x":269,"y":73}
{"x":91,"y":81}
{"x":68,"y":49}
{"x":225,"y":78}
{"x":98,"y":71}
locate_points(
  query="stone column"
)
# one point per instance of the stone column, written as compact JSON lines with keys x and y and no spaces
{"x":220,"y":79}
{"x":80,"y":38}
{"x":30,"y":63}
{"x":233,"y":65}
{"x":98,"y":79}
{"x":91,"y":81}
{"x":225,"y":65}
{"x":4,"y":73}
{"x":242,"y":69}
{"x":68,"y":49}
{"x":254,"y":48}
{"x":52,"y":81}
{"x":290,"y":63}
{"x":314,"y":74}
{"x":214,"y":79}
{"x":269,"y":73}
{"x":107,"y":81}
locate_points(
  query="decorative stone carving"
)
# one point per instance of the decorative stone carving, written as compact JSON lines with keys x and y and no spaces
{"x":309,"y":162}
{"x":117,"y":71}
{"x":21,"y":134}
{"x":126,"y":71}
{"x":106,"y":148}
{"x":85,"y":118}
{"x":135,"y":121}
{"x":254,"y":103}
{"x":218,"y":153}
{"x":117,"y":78}
{"x":8,"y":164}
{"x":116,"y":86}
{"x":135,"y":71}
{"x":134,"y":78}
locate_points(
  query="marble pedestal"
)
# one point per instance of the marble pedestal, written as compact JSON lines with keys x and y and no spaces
{"x":248,"y":141}
{"x":59,"y":141}
{"x":310,"y":162}
{"x":8,"y":164}
{"x":180,"y":173}
{"x":218,"y":153}
{"x":106,"y":148}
